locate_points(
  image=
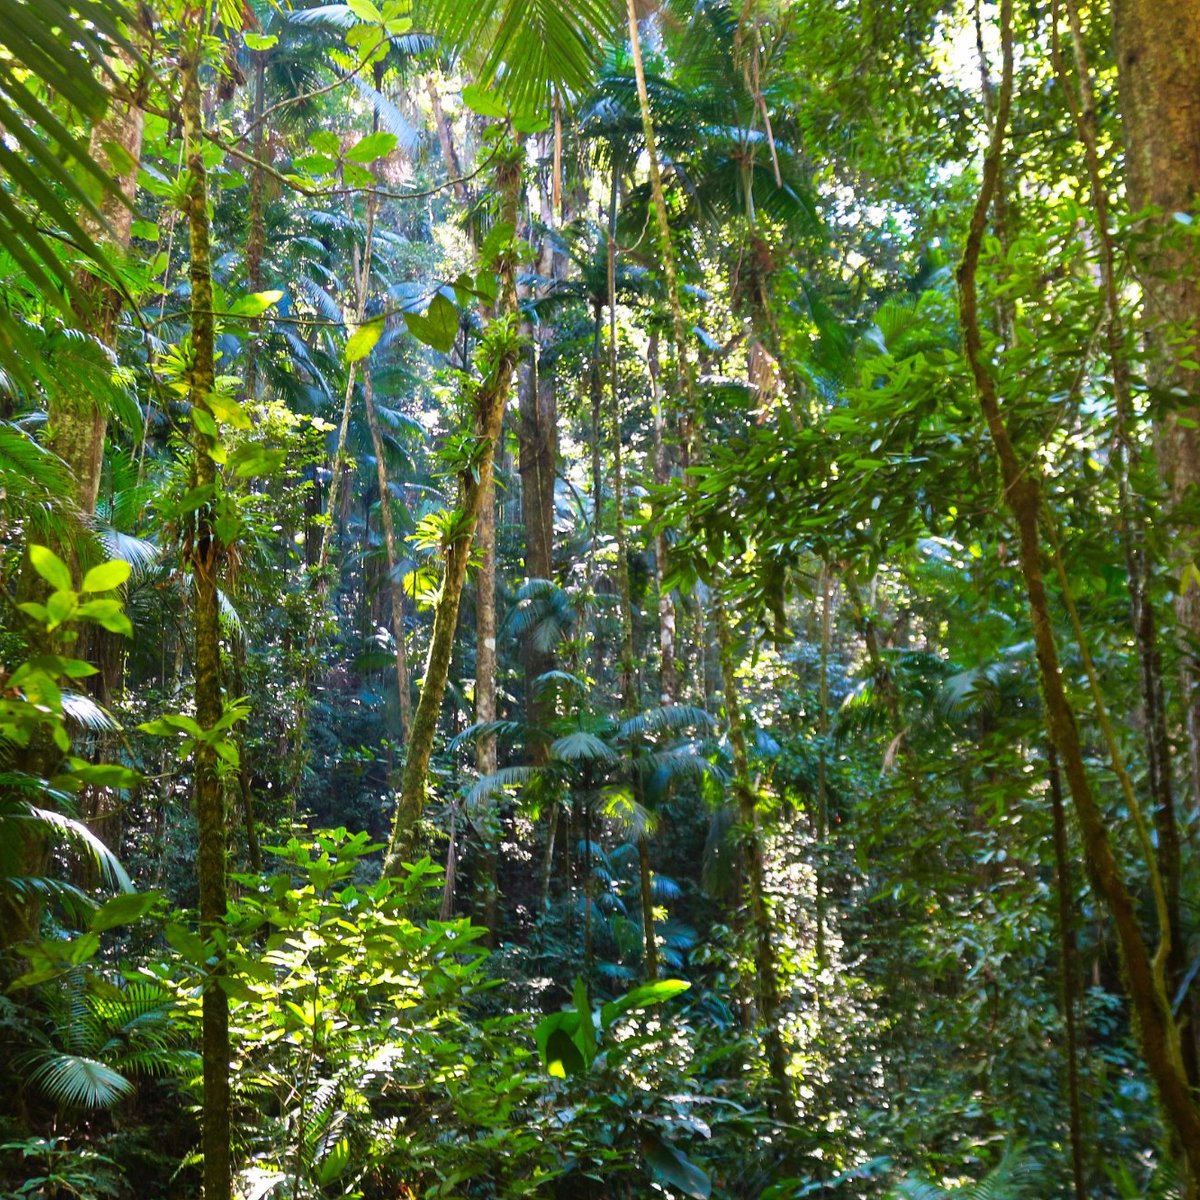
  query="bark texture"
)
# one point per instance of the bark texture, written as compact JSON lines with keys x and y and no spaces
{"x":489,"y":400}
{"x":77,"y":423}
{"x":1157,"y":1031}
{"x":1158,"y":48}
{"x":204,"y":557}
{"x":395,"y":586}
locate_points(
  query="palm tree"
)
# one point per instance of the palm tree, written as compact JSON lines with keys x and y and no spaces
{"x":66,"y":45}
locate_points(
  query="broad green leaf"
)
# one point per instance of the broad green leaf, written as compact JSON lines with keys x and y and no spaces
{"x":50,"y":567}
{"x":106,"y":576}
{"x":252,"y":461}
{"x":645,"y":996}
{"x":335,"y":1162}
{"x":260,"y":41}
{"x":364,"y":10}
{"x":107,"y":613}
{"x":498,"y":239}
{"x":555,"y":1037}
{"x":111,"y":775}
{"x":123,"y":910}
{"x":255,"y":304}
{"x":315,"y":164}
{"x":674,"y":1167}
{"x":438,"y":328}
{"x":191,"y":947}
{"x":480,"y":100}
{"x":237,"y":989}
{"x":325,"y":142}
{"x":373,"y":146}
{"x":362,"y":341}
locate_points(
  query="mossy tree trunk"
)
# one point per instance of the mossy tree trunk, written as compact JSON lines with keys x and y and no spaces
{"x":204,"y":556}
{"x":500,"y":350}
{"x":1157,"y":1031}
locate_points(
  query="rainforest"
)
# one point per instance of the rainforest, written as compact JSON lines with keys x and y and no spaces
{"x":600,"y":599}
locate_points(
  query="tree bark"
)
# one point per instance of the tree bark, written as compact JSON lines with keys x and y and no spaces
{"x":1158,"y":47}
{"x":765,"y":961}
{"x":668,"y":674}
{"x":77,"y":425}
{"x":1068,"y":965}
{"x":204,"y":558}
{"x":489,"y":398}
{"x":1156,"y":1029}
{"x":395,"y":585}
{"x":1132,"y":519}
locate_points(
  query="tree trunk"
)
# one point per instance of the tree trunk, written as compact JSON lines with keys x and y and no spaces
{"x":205,"y":555}
{"x":1069,"y":967}
{"x":395,"y":585}
{"x":77,"y":425}
{"x":765,"y":962}
{"x":1155,"y":1026}
{"x":1132,"y":520}
{"x":256,"y":231}
{"x":1158,"y":47}
{"x":489,"y":398}
{"x":668,"y":675}
{"x":628,"y":664}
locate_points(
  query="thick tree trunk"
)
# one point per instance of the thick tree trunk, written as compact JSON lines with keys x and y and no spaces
{"x":1157,"y":1031}
{"x":395,"y":586}
{"x":490,"y":396}
{"x":77,"y":425}
{"x":205,"y":555}
{"x":1158,"y":47}
{"x":1132,"y":521}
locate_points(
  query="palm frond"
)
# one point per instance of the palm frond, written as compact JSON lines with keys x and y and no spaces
{"x":529,"y":50}
{"x":669,"y":718}
{"x":582,"y":746}
{"x":76,"y":1081}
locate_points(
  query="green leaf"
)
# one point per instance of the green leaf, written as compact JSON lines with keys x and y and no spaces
{"x":645,"y":996}
{"x":364,"y":10}
{"x":60,"y":606}
{"x":585,"y":1030}
{"x":362,"y":341}
{"x":109,"y":775}
{"x":50,"y":567}
{"x":190,"y":946}
{"x":373,"y":146}
{"x":237,"y":989}
{"x":480,"y":100}
{"x":315,"y":164}
{"x":260,"y":41}
{"x":498,"y":239}
{"x":107,"y":613}
{"x":555,"y":1037}
{"x":438,"y":327}
{"x":255,"y":304}
{"x":323,"y":141}
{"x":123,"y":910}
{"x":336,"y":1161}
{"x":674,"y":1167}
{"x":254,"y":460}
{"x":106,"y":576}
